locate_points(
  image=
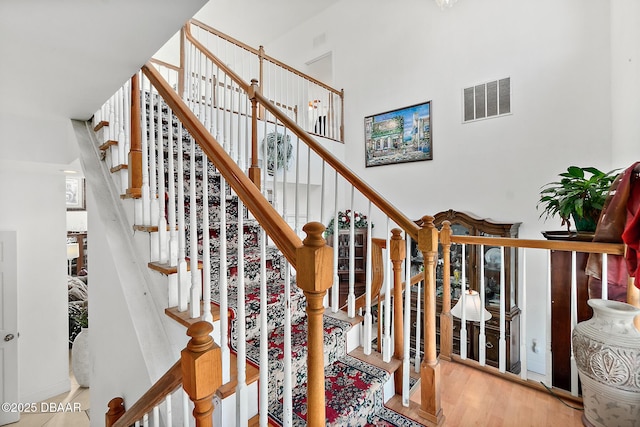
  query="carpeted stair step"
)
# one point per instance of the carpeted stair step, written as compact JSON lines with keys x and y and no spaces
{"x":353,"y":394}
{"x":275,"y":307}
{"x":335,"y":344}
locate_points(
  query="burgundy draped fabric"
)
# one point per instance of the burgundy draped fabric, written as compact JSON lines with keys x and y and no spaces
{"x":618,"y":223}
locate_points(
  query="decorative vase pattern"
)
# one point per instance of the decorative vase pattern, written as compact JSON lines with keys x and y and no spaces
{"x":80,"y":358}
{"x":607,"y":354}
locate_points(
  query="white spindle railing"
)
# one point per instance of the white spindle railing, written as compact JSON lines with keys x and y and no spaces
{"x":313,"y":105}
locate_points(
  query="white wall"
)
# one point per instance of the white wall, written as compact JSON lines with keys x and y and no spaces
{"x":625,"y":81}
{"x":388,"y":55}
{"x":33,"y":203}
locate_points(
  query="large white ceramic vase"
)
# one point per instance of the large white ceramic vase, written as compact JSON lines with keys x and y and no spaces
{"x":607,"y":353}
{"x":80,"y":363}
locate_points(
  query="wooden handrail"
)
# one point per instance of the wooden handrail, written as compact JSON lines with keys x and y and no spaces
{"x":557,"y":245}
{"x":277,"y":228}
{"x":260,"y":53}
{"x":168,"y":383}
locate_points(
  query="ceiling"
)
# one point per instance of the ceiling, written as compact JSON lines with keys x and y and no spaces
{"x":258,"y":22}
{"x":64,"y":58}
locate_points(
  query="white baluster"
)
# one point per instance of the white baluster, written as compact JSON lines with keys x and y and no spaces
{"x":574,"y":322}
{"x":153,"y":180}
{"x":242,"y":405}
{"x":186,"y":414}
{"x":605,"y":277}
{"x":418,"y":331}
{"x":223,"y":284}
{"x":287,"y":397}
{"x":522,"y":292}
{"x":335,"y":289}
{"x":156,"y":416}
{"x":482,"y":338}
{"x":168,"y":411}
{"x":368,"y":319}
{"x":548,"y":352}
{"x":463,"y":318}
{"x":196,"y":288}
{"x":125,"y":145}
{"x":351,"y":298}
{"x":163,"y":233}
{"x":206,"y":245}
{"x":406,"y":326}
{"x":171,"y":209}
{"x":264,"y":350}
{"x":386,"y":336}
{"x":502,"y":342}
{"x":146,"y":198}
{"x":183,"y":276}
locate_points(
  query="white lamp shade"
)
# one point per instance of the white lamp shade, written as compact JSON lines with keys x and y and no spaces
{"x":472,"y":307}
{"x":73,"y":250}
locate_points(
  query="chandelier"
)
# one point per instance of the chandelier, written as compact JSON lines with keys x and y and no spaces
{"x":445,"y":3}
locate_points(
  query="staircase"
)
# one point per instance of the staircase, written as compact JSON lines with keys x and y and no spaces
{"x":200,"y":192}
{"x":355,"y":389}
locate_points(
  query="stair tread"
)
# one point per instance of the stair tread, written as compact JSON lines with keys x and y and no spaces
{"x":183,"y":318}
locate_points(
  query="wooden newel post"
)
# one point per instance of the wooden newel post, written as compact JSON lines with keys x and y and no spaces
{"x":201,"y":371}
{"x":446,"y":320}
{"x":397,"y":254}
{"x":254,"y":169}
{"x":116,"y":410}
{"x":135,"y":145}
{"x":315,"y":276}
{"x":430,"y":405}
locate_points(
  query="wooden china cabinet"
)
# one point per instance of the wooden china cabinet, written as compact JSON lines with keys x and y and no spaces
{"x":360,"y":260}
{"x":469,"y":225}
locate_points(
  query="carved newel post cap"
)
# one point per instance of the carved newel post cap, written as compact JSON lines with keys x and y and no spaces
{"x":200,"y":336}
{"x":445,"y":233}
{"x":428,"y":235}
{"x":398,"y":249}
{"x":314,"y":234}
{"x":315,"y":260}
{"x":200,"y":374}
{"x":115,"y":411}
{"x":396,"y":234}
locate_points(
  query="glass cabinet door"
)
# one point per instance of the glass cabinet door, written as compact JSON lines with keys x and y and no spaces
{"x":455,"y":271}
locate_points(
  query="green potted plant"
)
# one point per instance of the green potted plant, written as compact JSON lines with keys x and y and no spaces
{"x":579,"y":196}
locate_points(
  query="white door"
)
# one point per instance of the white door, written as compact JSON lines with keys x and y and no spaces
{"x":8,"y":328}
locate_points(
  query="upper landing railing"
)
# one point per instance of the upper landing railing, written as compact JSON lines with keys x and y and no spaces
{"x":313,"y":105}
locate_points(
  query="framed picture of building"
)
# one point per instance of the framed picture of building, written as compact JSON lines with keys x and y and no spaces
{"x":399,"y":136}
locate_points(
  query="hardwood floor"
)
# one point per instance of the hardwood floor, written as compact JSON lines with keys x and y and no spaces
{"x":474,"y":398}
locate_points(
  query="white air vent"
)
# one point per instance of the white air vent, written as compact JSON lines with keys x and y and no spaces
{"x":486,"y":100}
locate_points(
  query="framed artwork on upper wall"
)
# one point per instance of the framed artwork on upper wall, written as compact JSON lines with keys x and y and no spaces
{"x":399,"y":136}
{"x":75,"y":193}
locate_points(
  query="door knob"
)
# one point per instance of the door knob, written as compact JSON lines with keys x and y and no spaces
{"x":9,"y":337}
